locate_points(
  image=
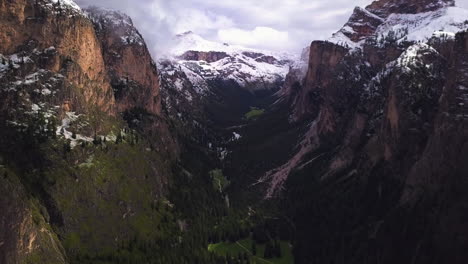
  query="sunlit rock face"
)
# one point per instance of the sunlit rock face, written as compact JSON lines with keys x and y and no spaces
{"x":31,"y":27}
{"x":132,"y":72}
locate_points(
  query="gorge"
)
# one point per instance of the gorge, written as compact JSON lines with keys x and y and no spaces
{"x":352,"y":152}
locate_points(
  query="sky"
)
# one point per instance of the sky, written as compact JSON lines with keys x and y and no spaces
{"x":279,"y":25}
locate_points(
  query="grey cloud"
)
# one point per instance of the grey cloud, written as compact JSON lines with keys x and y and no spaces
{"x":302,"y":20}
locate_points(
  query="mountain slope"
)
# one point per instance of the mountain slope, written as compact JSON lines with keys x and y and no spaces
{"x":84,"y":166}
{"x":251,"y":69}
{"x":130,"y":67}
{"x":374,"y":160}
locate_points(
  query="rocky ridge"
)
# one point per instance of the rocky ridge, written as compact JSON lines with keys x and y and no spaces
{"x":132,"y":71}
{"x":370,"y":42}
{"x":207,"y":60}
{"x":385,"y":106}
{"x":68,"y":103}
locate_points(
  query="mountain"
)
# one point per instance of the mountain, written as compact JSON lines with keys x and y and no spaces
{"x":401,"y":21}
{"x":251,"y":69}
{"x":209,"y":86}
{"x":133,"y":73}
{"x":384,"y":103}
{"x":86,"y":152}
{"x":353,"y":153}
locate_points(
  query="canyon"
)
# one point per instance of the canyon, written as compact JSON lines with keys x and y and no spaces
{"x":353,"y":152}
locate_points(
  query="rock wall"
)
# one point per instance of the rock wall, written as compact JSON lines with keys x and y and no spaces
{"x":129,"y":64}
{"x":73,"y":36}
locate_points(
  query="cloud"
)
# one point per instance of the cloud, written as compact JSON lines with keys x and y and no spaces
{"x":272,"y":24}
{"x":260,"y":37}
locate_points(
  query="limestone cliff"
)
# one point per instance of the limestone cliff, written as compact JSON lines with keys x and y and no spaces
{"x":133,"y":73}
{"x":386,"y":138}
{"x":37,"y":25}
{"x":65,"y":147}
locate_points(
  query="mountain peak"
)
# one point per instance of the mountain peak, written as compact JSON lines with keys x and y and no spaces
{"x":115,"y":22}
{"x":411,"y":20}
{"x":69,"y":4}
{"x":384,"y":8}
{"x":190,"y":41}
{"x":186,"y":33}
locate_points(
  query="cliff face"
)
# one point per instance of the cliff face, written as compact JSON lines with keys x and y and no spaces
{"x":133,"y":73}
{"x":63,"y":79}
{"x":28,"y":25}
{"x":323,"y":60}
{"x":386,"y":137}
{"x":25,"y":237}
{"x":381,"y":31}
{"x":384,"y":8}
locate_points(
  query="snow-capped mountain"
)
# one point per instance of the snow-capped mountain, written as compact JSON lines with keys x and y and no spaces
{"x":389,"y":39}
{"x":402,"y":22}
{"x":203,"y":60}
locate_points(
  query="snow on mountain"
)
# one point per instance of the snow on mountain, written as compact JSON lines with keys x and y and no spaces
{"x":190,"y":41}
{"x":445,"y":21}
{"x":69,"y":5}
{"x":421,"y":27}
{"x":120,"y":22}
{"x":201,"y":59}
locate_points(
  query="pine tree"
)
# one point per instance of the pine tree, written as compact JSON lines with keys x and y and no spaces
{"x":278,"y":252}
{"x":254,"y":248}
{"x":67,"y":147}
{"x":97,"y":140}
{"x":119,"y":138}
{"x":268,"y":250}
{"x":246,"y":257}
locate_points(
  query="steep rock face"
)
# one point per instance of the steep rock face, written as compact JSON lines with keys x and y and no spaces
{"x":387,"y":138}
{"x":64,"y":27}
{"x":361,"y":25}
{"x":394,"y":150}
{"x":440,"y":174}
{"x":74,"y":170}
{"x":365,"y":21}
{"x":131,"y":69}
{"x":25,"y":236}
{"x":442,"y":160}
{"x":323,"y":60}
{"x":384,"y":29}
{"x":384,"y":8}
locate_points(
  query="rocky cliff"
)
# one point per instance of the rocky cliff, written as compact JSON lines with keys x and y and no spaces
{"x":85,"y":150}
{"x":31,"y":27}
{"x":386,"y":108}
{"x":132,"y":72}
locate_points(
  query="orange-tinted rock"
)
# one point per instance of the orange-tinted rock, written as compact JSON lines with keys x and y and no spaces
{"x":132,"y":71}
{"x":73,"y":36}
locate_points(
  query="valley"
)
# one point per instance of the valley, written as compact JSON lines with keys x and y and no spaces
{"x":354,"y":152}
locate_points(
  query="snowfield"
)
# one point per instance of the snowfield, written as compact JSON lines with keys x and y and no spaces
{"x":243,"y":65}
{"x":445,"y":22}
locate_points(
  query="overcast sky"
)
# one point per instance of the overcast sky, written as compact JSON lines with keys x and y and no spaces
{"x":283,"y":25}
